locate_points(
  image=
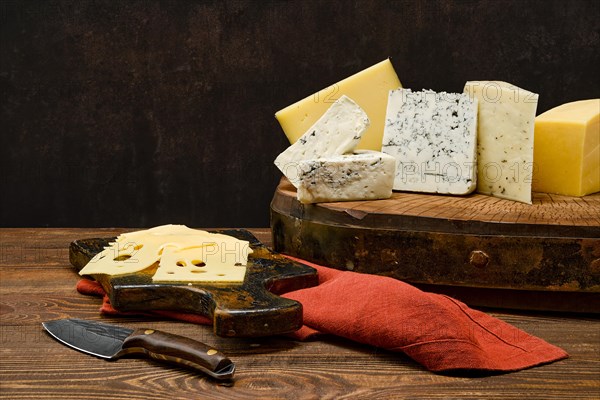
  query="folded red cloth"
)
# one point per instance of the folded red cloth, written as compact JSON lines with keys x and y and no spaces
{"x":437,"y":331}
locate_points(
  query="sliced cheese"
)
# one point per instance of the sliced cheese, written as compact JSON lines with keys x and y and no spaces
{"x":368,"y":88}
{"x":566,"y":153}
{"x":338,"y":131}
{"x":505,"y":139}
{"x":433,"y":137}
{"x":135,"y":251}
{"x":121,"y":258}
{"x":200,"y":264}
{"x":364,"y":175}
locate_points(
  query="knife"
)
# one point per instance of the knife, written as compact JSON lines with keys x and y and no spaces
{"x":112,"y":342}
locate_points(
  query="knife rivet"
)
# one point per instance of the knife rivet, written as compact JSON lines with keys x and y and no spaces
{"x":148,"y":331}
{"x":211,"y":352}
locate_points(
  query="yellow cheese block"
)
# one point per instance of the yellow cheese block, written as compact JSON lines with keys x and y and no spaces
{"x":368,"y":88}
{"x":566,"y":152}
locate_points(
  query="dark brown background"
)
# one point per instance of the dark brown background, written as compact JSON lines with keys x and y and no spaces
{"x":137,"y":113}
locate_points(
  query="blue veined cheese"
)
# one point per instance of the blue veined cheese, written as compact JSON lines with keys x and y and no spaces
{"x":364,"y":175}
{"x":505,"y":139}
{"x":433,"y":137}
{"x":337,"y":132}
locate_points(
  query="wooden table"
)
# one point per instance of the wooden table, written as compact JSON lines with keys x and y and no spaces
{"x":37,"y":284}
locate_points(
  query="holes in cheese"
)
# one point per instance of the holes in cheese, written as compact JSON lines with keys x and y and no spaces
{"x":219,"y":267}
{"x":183,"y":255}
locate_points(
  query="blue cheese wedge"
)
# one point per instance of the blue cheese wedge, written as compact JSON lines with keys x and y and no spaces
{"x":364,"y":175}
{"x":505,"y":139}
{"x":337,"y":132}
{"x":433,"y":137}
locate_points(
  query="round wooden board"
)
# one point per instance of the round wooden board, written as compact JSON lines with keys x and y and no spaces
{"x":548,"y":215}
{"x":474,"y":241}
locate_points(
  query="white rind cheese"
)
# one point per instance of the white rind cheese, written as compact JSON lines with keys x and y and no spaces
{"x":183,"y":254}
{"x":364,"y":175}
{"x":337,"y":132}
{"x":505,"y":139}
{"x":433,"y":137}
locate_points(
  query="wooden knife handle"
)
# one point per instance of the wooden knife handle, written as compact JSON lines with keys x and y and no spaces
{"x":179,"y":350}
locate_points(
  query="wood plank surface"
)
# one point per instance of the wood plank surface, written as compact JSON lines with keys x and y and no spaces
{"x":38,"y":284}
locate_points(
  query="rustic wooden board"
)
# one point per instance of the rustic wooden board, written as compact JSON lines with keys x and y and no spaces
{"x":37,"y":284}
{"x":251,"y":309}
{"x":483,"y":250}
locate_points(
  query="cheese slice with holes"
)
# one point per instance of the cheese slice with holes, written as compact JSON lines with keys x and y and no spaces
{"x":135,"y":251}
{"x":121,"y":258}
{"x":200,"y":264}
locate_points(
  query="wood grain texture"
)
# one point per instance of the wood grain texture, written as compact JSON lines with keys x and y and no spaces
{"x":35,"y":366}
{"x":548,"y":214}
{"x":456,"y":245}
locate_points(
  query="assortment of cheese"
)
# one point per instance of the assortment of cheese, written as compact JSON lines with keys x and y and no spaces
{"x":182,"y":254}
{"x":486,"y":139}
{"x":366,"y":136}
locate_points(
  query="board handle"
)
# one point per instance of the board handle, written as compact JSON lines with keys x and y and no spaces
{"x":179,"y":350}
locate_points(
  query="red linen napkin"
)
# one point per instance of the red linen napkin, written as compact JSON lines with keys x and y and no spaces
{"x":437,"y":331}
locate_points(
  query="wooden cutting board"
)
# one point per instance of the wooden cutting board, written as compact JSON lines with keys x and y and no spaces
{"x":251,"y":309}
{"x":483,"y":250}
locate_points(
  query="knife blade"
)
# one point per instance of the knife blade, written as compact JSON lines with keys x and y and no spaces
{"x":112,"y":342}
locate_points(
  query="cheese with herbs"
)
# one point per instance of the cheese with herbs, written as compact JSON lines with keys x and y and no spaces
{"x":183,"y":255}
{"x":566,"y":151}
{"x":364,"y":175}
{"x":337,"y":132}
{"x":368,"y":88}
{"x":505,"y":139}
{"x":433,"y":137}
